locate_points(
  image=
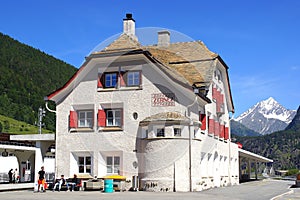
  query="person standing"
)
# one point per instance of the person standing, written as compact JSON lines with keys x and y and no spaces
{"x":41,"y":180}
{"x":15,"y":176}
{"x":10,"y":175}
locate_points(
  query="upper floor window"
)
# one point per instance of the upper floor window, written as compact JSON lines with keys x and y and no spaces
{"x":133,"y":78}
{"x":160,"y":132}
{"x":111,"y":80}
{"x":177,"y":132}
{"x":85,"y":119}
{"x":119,"y":79}
{"x":113,"y":117}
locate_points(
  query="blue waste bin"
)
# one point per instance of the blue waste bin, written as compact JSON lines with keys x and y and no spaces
{"x":108,"y":185}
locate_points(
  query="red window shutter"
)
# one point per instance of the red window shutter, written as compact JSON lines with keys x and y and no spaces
{"x":73,"y":123}
{"x":222,"y":131}
{"x":218,"y":101}
{"x":203,"y":121}
{"x":214,"y":93}
{"x":101,"y":118}
{"x":216,"y":133}
{"x":99,"y":83}
{"x":211,"y":126}
{"x":221,"y":98}
{"x":122,"y":81}
{"x":226,"y":136}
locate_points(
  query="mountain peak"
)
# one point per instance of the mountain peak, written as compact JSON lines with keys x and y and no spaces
{"x":266,"y":116}
{"x":270,"y":100}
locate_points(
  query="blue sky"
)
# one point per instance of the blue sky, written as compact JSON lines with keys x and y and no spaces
{"x":259,"y":39}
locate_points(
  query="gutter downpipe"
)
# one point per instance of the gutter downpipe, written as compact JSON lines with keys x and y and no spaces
{"x":190,"y":144}
{"x":55,"y":161}
{"x":229,"y":145}
{"x":53,"y":111}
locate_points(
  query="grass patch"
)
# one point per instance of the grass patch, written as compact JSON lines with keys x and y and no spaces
{"x":13,"y":126}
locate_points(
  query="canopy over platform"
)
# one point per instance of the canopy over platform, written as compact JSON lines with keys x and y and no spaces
{"x":252,"y":156}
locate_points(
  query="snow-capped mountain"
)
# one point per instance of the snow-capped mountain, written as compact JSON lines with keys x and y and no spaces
{"x":267,"y":117}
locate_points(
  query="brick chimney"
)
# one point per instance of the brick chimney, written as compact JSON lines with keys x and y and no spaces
{"x":163,"y":38}
{"x":129,"y":26}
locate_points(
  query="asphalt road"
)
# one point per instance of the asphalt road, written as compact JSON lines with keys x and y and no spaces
{"x":256,"y":190}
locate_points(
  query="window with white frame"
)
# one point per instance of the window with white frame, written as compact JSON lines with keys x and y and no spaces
{"x":113,"y":164}
{"x":114,"y":117}
{"x":133,"y":78}
{"x":84,"y":164}
{"x":160,"y":132}
{"x":110,"y":80}
{"x":85,"y":119}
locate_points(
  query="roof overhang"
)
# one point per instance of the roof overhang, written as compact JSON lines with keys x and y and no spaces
{"x":252,"y":156}
{"x":33,"y":137}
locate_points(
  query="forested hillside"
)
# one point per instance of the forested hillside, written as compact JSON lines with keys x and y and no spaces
{"x":27,"y":75}
{"x":282,"y":146}
{"x":239,"y":129}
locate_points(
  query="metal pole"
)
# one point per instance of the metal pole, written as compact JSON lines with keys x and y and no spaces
{"x":190,"y":154}
{"x":41,"y":114}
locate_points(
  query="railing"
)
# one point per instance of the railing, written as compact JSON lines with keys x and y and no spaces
{"x":17,"y":143}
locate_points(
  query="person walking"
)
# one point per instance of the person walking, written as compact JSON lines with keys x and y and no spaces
{"x":10,"y":175}
{"x":41,"y":180}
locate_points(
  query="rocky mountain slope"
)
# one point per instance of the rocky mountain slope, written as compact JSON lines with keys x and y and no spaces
{"x":266,"y":117}
{"x":281,"y":146}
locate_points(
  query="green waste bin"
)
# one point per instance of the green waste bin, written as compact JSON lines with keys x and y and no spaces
{"x":108,"y":185}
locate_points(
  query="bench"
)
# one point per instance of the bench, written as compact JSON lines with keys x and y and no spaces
{"x":77,"y":187}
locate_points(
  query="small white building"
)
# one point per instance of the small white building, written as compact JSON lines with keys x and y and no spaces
{"x":158,"y":112}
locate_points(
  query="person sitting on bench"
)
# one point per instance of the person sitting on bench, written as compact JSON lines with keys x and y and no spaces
{"x":60,"y":182}
{"x":75,"y":182}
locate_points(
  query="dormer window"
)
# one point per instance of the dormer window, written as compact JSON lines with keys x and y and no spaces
{"x":177,"y":132}
{"x":111,"y":80}
{"x":160,"y":132}
{"x":218,"y":75}
{"x":133,"y":78}
{"x":119,"y":79}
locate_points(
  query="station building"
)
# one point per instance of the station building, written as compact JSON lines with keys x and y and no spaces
{"x":158,"y":113}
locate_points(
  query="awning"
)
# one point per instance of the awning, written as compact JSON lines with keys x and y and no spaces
{"x":115,"y":177}
{"x":247,"y":154}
